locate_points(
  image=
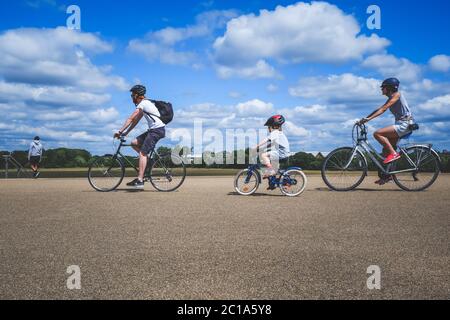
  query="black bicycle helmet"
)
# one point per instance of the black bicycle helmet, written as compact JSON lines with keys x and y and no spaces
{"x":140,"y":90}
{"x":37,"y":138}
{"x":277,"y":121}
{"x":391,"y":82}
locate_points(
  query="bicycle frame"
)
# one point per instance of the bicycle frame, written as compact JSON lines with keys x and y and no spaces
{"x":118,"y":155}
{"x":273,"y":180}
{"x":363,"y":147}
{"x":254,"y":168}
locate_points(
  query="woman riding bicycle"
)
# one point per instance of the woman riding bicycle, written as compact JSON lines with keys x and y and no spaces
{"x":388,"y":137}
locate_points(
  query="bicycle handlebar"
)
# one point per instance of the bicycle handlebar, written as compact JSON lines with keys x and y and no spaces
{"x":121,"y":138}
{"x":361,"y":131}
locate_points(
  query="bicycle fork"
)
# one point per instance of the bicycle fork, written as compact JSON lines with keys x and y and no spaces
{"x":355,"y":151}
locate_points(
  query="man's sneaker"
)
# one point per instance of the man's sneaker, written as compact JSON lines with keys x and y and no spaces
{"x":138,"y":184}
{"x":135,"y":183}
{"x":383,"y":181}
{"x":36,"y":174}
{"x":392,"y":157}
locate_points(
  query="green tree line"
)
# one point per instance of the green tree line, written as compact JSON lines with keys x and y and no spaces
{"x":78,"y":158}
{"x":57,"y":158}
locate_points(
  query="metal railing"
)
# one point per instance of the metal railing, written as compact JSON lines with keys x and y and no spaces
{"x":10,"y":161}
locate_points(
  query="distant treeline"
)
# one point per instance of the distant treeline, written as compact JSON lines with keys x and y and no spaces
{"x":78,"y":158}
{"x":57,"y":158}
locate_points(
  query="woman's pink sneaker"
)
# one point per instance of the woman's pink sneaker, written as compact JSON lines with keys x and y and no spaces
{"x":392,"y":157}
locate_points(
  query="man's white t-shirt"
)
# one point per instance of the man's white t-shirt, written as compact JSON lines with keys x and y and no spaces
{"x":151,"y":114}
{"x":278,"y":141}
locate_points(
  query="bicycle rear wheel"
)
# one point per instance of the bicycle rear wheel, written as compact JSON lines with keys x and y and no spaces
{"x":106,"y":173}
{"x":293,"y":182}
{"x":246,"y":182}
{"x":428,"y":169}
{"x":341,"y":172}
{"x":167,"y":173}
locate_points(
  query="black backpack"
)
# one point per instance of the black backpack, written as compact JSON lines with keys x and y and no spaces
{"x":165,"y":110}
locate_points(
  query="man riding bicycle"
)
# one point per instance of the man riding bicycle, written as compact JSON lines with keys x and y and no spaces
{"x":388,"y":137}
{"x":146,"y":142}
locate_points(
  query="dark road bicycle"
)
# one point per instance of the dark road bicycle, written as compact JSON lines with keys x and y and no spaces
{"x":292,"y":181}
{"x":166,"y":172}
{"x":344,"y":169}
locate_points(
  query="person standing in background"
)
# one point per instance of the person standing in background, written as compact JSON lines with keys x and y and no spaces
{"x":35,"y":155}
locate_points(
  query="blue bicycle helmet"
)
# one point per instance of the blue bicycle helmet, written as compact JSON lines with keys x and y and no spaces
{"x":391,"y":82}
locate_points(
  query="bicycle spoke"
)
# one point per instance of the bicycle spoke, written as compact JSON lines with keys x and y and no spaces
{"x":244,"y":184}
{"x":422,"y":164}
{"x":342,"y":172}
{"x":335,"y":165}
{"x":427,"y":170}
{"x":166,"y":174}
{"x":293,"y":182}
{"x":106,"y":173}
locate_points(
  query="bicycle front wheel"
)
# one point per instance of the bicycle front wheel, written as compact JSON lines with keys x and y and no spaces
{"x":293,"y":182}
{"x":167,"y":173}
{"x":428,"y":168}
{"x":246,"y":182}
{"x":344,"y":170}
{"x":106,"y":173}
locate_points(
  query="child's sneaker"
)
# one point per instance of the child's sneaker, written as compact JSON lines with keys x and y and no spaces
{"x":272,"y":183}
{"x":269,"y":173}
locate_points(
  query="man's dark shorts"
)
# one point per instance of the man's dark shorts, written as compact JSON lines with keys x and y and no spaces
{"x":149,"y":139}
{"x":35,"y":160}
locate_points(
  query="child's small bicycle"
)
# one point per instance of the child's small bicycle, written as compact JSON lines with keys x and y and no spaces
{"x":292,"y":181}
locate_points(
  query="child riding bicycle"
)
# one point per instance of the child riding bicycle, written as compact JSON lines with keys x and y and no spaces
{"x":277,"y":146}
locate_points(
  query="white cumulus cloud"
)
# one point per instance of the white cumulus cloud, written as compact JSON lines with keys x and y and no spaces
{"x":55,"y":57}
{"x":303,"y":32}
{"x":48,"y":76}
{"x":439,"y":106}
{"x":260,"y":70}
{"x":440,"y":63}
{"x":161,"y":45}
{"x":294,"y":130}
{"x":390,"y":66}
{"x":254,"y":107}
{"x":346,"y":88}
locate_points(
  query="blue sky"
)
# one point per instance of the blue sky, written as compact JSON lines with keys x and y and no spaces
{"x":231,"y":64}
